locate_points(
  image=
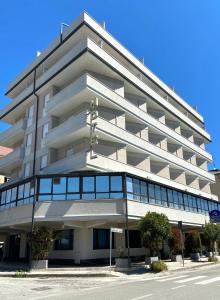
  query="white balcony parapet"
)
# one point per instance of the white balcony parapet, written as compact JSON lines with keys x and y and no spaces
{"x":71,"y":95}
{"x":14,"y":134}
{"x":11,"y":161}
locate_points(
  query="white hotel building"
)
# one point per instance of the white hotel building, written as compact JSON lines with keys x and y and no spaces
{"x":98,"y":140}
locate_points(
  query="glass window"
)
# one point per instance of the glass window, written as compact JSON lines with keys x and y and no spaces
{"x":134,"y":239}
{"x":144,"y":194}
{"x":175,"y":199}
{"x":3,"y":197}
{"x":136,"y":187}
{"x":158,"y":195}
{"x":101,"y":239}
{"x":88,"y":184}
{"x":14,"y":194}
{"x":45,"y":185}
{"x":129,"y":184}
{"x":26,"y":189}
{"x":43,"y":161}
{"x":116,"y":183}
{"x":64,"y":240}
{"x":73,"y":185}
{"x":102,"y":183}
{"x":186,"y":202}
{"x":45,"y":130}
{"x":21,"y":191}
{"x":164,"y":196}
{"x":180,"y":200}
{"x":151,"y":193}
{"x":8,"y":196}
{"x":59,"y":185}
{"x":170,"y":198}
{"x":29,"y":140}
{"x":27,"y":167}
{"x":116,"y":195}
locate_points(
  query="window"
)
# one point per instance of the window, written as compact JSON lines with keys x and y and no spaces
{"x":28,"y":144}
{"x":134,"y":239}
{"x":27,"y":167}
{"x":101,"y":239}
{"x":151,"y":193}
{"x":164,"y":196}
{"x":45,"y":130}
{"x":73,"y":185}
{"x":116,"y":183}
{"x":170,"y":198}
{"x":64,"y":240}
{"x":30,"y":115}
{"x":88,"y":187}
{"x":59,"y":188}
{"x":43,"y":161}
{"x":158,"y":195}
{"x":144,"y":194}
{"x":46,"y":100}
{"x":45,"y":186}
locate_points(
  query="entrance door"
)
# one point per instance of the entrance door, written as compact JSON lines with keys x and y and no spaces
{"x":14,"y":247}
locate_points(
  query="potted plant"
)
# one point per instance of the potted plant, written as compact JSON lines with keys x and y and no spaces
{"x":40,"y":240}
{"x":193,"y":245}
{"x":122,"y":262}
{"x":154,"y":229}
{"x":175,"y":245}
{"x":211,"y":235}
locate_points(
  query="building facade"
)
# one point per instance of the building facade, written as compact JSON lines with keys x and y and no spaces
{"x":98,"y":140}
{"x":215,"y":187}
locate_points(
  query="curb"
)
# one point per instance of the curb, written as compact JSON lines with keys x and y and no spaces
{"x":47,"y":275}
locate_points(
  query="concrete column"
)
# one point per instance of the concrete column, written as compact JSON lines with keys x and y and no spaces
{"x":23,"y":245}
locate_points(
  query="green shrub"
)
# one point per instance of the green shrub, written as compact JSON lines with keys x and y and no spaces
{"x":154,"y":229}
{"x":159,"y":266}
{"x":213,"y":259}
{"x":20,"y":274}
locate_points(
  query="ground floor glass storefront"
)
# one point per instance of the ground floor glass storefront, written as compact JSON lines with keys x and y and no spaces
{"x":90,"y":186}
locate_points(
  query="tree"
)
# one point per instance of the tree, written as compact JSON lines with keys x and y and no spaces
{"x":211,"y":235}
{"x":154,"y":228}
{"x":175,"y":241}
{"x":41,"y":241}
{"x":193,"y":242}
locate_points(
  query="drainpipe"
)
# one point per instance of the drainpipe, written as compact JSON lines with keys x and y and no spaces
{"x":34,"y":168}
{"x":126,"y":218}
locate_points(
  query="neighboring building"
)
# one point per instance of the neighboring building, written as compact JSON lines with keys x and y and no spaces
{"x":98,"y":140}
{"x":215,"y":187}
{"x":3,"y":152}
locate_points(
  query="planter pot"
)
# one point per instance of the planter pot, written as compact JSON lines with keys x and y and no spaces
{"x":150,"y":260}
{"x":39,"y":264}
{"x":195,"y":256}
{"x":122,"y":264}
{"x":177,"y":258}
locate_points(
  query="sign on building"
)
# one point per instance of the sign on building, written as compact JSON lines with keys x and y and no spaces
{"x":215,"y":216}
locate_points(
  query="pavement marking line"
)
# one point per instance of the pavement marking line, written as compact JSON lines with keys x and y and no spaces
{"x":172,"y":278}
{"x":208,"y":281}
{"x":190,"y":279}
{"x":178,"y":287}
{"x":142,"y":297}
{"x":43,"y":297}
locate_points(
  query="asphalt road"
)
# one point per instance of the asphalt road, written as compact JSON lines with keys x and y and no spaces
{"x":201,"y":284}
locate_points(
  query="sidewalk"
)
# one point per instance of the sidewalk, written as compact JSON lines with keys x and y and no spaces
{"x":9,"y":270}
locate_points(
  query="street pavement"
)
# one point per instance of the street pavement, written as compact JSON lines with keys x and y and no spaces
{"x":201,"y":284}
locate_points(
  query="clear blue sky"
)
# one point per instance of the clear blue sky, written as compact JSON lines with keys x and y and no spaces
{"x":179,"y":39}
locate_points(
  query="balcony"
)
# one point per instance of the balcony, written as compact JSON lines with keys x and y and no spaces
{"x":72,"y":129}
{"x":69,"y":164}
{"x":14,"y":134}
{"x":11,"y":161}
{"x":88,"y":87}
